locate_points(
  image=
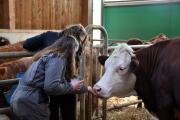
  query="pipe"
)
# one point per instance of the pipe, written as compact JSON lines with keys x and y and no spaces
{"x":16,"y":54}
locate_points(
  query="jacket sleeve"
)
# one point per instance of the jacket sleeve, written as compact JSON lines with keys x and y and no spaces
{"x":54,"y":83}
{"x":34,"y":43}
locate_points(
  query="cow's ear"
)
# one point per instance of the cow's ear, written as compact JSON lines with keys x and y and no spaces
{"x":102,"y":59}
{"x":134,"y":64}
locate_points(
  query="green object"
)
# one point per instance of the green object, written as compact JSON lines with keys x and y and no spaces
{"x":142,"y":21}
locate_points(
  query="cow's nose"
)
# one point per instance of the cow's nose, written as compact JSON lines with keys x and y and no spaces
{"x":97,"y":88}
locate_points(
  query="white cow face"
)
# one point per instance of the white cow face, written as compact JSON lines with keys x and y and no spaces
{"x":118,"y":80}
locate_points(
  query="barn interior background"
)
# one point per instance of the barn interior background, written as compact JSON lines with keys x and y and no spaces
{"x":123,"y":19}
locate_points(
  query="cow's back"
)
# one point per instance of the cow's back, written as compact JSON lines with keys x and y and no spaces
{"x":11,"y":48}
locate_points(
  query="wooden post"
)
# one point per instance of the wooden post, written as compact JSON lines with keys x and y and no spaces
{"x":11,"y":14}
{"x":84,"y":13}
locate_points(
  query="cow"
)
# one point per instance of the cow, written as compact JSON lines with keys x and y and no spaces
{"x":135,"y":41}
{"x":159,"y":38}
{"x":153,"y":72}
{"x":4,"y":41}
{"x":11,"y":48}
{"x":9,"y":70}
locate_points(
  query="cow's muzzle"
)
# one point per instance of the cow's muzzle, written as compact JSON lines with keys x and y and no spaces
{"x":97,"y":89}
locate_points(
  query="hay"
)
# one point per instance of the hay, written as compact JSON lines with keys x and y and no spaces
{"x":127,"y":113}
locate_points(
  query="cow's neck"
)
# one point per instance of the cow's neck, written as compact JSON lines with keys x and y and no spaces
{"x":148,"y":59}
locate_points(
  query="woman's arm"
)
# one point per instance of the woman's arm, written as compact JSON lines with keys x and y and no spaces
{"x":54,"y":83}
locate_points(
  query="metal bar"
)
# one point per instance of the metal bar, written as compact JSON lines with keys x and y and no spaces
{"x":97,"y":78}
{"x":97,"y":40}
{"x":132,"y":46}
{"x":90,"y":11}
{"x":104,"y":107}
{"x":89,"y":29}
{"x":5,"y":110}
{"x":16,"y":54}
{"x":97,"y":46}
{"x":124,"y":105}
{"x":9,"y":81}
{"x":138,"y":2}
{"x":90,"y":81}
{"x":102,"y":12}
{"x":82,"y":73}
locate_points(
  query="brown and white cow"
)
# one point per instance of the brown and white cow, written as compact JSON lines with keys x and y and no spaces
{"x":11,"y":48}
{"x":8,"y":70}
{"x":153,"y":72}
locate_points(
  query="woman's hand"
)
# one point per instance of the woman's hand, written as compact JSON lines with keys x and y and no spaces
{"x":91,"y":90}
{"x":77,"y":84}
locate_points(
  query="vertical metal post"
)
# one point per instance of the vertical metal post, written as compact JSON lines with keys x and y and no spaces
{"x":97,"y":78}
{"x":102,"y":12}
{"x":82,"y":99}
{"x":90,"y":11}
{"x":90,"y":82}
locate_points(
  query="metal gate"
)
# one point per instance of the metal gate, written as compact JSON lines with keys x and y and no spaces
{"x":90,"y":110}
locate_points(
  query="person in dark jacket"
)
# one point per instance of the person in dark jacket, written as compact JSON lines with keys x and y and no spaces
{"x":51,"y":73}
{"x":45,"y":39}
{"x":66,"y":103}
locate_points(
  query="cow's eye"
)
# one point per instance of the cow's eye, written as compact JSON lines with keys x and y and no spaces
{"x":121,"y":68}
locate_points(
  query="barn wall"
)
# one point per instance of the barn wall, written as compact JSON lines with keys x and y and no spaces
{"x":142,"y":21}
{"x":4,"y":14}
{"x":47,"y":14}
{"x":44,"y":14}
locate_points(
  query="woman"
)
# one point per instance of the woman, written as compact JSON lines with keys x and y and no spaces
{"x":50,"y":74}
{"x":42,"y":41}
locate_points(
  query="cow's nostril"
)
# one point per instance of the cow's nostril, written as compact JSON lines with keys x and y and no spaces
{"x":98,"y":90}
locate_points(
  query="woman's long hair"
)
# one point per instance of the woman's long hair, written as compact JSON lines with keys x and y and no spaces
{"x":65,"y":47}
{"x":78,"y":31}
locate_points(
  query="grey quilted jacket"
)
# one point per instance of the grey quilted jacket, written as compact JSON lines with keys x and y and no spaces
{"x":44,"y":77}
